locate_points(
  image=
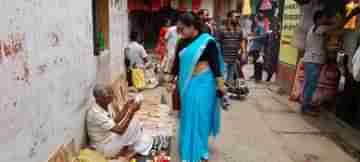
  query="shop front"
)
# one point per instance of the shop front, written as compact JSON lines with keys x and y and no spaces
{"x":336,"y":87}
{"x":148,"y":16}
{"x":288,"y":53}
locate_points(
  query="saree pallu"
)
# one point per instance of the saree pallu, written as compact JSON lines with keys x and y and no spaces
{"x":200,"y":108}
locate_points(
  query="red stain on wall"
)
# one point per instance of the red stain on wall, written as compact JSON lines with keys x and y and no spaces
{"x":11,"y":46}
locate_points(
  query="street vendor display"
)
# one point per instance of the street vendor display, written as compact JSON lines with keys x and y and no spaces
{"x":112,"y":130}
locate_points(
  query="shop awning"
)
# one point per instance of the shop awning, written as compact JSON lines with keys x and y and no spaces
{"x":155,"y":5}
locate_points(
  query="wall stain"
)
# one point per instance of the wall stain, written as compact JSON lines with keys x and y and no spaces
{"x":12,"y":46}
{"x":26,"y":72}
{"x":42,"y":69}
{"x":32,"y":151}
{"x":54,"y":39}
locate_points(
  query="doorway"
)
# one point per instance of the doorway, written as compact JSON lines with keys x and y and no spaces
{"x":101,"y":35}
{"x":100,"y":15}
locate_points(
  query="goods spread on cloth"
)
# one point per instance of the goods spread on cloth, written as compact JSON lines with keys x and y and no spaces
{"x":155,"y":117}
{"x":157,"y":122}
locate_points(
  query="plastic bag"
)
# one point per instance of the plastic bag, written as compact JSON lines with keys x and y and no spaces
{"x":138,"y":78}
{"x":260,"y":59}
{"x":356,"y":65}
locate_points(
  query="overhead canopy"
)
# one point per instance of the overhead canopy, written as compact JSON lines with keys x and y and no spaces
{"x":155,"y":5}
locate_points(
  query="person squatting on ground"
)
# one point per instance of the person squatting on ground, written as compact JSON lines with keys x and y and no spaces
{"x":112,"y":130}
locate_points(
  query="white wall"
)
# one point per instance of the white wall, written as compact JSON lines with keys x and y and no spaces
{"x":119,"y":36}
{"x":47,"y":70}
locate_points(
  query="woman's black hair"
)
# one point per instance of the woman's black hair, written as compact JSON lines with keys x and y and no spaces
{"x":230,"y":13}
{"x":318,"y":14}
{"x":133,"y":36}
{"x":202,"y":11}
{"x":191,"y":19}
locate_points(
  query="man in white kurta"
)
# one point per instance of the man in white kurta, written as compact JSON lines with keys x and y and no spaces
{"x":111,"y":130}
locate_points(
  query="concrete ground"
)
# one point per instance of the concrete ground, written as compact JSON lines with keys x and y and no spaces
{"x":266,"y":127}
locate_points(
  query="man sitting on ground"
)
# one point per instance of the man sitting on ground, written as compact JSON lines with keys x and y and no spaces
{"x":112,"y":130}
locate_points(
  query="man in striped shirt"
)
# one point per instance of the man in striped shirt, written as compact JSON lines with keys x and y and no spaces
{"x":233,"y":45}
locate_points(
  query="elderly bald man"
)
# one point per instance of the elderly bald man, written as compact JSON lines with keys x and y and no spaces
{"x":111,"y":129}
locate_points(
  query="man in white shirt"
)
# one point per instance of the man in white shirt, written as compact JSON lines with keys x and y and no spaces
{"x":112,"y":130}
{"x":135,"y":53}
{"x":307,"y":11}
{"x":136,"y":59}
{"x":171,"y":38}
{"x":315,"y":55}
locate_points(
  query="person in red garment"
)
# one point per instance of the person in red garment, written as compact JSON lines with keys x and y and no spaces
{"x":161,"y":47}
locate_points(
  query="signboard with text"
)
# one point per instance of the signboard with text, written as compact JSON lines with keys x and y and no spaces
{"x":288,"y":53}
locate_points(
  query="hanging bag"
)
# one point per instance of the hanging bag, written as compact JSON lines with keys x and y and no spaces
{"x":356,"y":65}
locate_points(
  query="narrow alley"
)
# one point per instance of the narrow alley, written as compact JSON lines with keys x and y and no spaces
{"x":267,"y":127}
{"x":151,"y":80}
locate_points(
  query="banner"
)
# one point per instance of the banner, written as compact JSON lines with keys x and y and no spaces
{"x":288,"y":53}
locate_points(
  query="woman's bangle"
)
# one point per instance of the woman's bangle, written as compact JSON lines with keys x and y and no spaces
{"x":220,"y":82}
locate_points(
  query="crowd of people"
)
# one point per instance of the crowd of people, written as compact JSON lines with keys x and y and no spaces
{"x":201,"y":60}
{"x":207,"y":59}
{"x":319,"y":21}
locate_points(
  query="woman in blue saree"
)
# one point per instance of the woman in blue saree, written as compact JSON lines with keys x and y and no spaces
{"x":199,"y":69}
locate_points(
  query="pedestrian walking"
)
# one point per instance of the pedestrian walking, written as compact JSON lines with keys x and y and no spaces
{"x":307,"y":10}
{"x":206,"y":20}
{"x":136,"y":57}
{"x":272,"y":47}
{"x":315,"y":55}
{"x":233,"y":44}
{"x":171,"y":38}
{"x":199,"y":67}
{"x":161,"y":49}
{"x":257,"y":43}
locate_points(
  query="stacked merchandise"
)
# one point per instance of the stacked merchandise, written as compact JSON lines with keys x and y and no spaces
{"x":156,"y":117}
{"x":157,"y":122}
